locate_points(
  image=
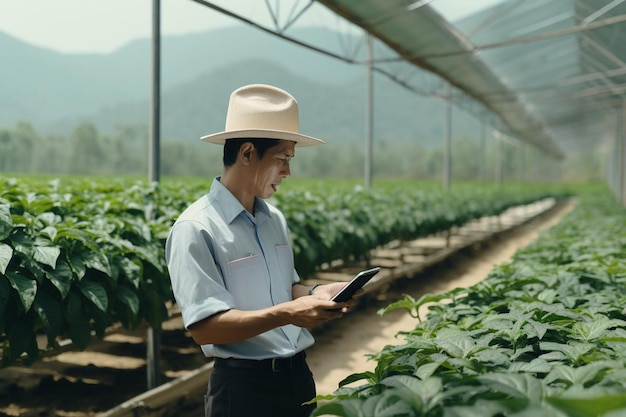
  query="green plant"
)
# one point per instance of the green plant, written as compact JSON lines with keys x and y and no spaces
{"x":544,"y":335}
{"x":78,"y":255}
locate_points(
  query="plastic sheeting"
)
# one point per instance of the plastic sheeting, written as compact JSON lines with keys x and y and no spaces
{"x":553,"y":71}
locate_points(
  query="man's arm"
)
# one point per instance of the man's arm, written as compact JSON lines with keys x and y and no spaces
{"x":299,"y":290}
{"x":235,"y":325}
{"x":324,"y":292}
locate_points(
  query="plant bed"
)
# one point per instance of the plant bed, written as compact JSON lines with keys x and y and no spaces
{"x":544,"y":335}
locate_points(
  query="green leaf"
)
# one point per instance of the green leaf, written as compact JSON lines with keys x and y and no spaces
{"x":61,"y":278}
{"x":547,"y":296}
{"x":581,"y":375}
{"x":427,"y":370}
{"x":421,"y":392}
{"x":5,"y":291}
{"x":513,"y":407}
{"x":50,"y":312}
{"x":47,"y":218}
{"x":536,"y":329}
{"x":573,"y":351}
{"x":46,"y":255}
{"x":407,"y":303}
{"x":128,"y":298}
{"x":493,"y":356}
{"x":144,"y":254}
{"x":458,"y":344}
{"x":370,"y":376}
{"x":97,"y":261}
{"x":347,"y":408}
{"x":413,"y":306}
{"x":26,"y":288}
{"x":536,"y":366}
{"x":388,"y":404}
{"x":95,"y":293}
{"x":22,"y":243}
{"x":78,"y":323}
{"x":516,"y":385}
{"x":132,"y":271}
{"x":6,"y":254}
{"x":78,"y":235}
{"x":6,"y":221}
{"x":49,"y":232}
{"x":597,"y":327}
{"x":590,"y":407}
{"x":21,"y":336}
{"x":76,"y":262}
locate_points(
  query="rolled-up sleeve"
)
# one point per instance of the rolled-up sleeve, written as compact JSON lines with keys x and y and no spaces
{"x":197,"y":281}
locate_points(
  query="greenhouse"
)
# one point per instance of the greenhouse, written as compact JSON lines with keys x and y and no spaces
{"x":475,"y":156}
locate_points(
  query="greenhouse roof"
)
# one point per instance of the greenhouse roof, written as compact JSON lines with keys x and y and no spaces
{"x":553,"y":71}
{"x":549,"y":73}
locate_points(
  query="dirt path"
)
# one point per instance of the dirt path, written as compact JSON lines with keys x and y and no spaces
{"x":342,"y":348}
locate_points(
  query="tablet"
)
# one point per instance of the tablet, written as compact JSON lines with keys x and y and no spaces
{"x":357,"y":282}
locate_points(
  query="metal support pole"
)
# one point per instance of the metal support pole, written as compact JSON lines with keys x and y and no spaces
{"x":153,"y":337}
{"x":498,"y":160}
{"x":613,"y":158}
{"x":369,"y":124}
{"x":155,"y":131}
{"x":614,"y":174}
{"x":524,"y":164}
{"x":482,"y":167}
{"x":447,"y":148}
{"x":621,"y":169}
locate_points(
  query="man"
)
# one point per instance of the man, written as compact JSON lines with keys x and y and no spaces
{"x":232,"y":268}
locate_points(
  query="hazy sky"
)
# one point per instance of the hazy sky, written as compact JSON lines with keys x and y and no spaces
{"x":102,"y":26}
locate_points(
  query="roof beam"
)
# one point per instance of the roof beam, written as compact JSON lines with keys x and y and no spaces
{"x":593,"y":16}
{"x":530,"y":39}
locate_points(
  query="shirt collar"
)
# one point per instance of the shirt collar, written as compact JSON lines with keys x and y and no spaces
{"x":231,"y":207}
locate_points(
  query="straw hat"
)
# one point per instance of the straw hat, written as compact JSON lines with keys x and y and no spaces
{"x":262,"y":111}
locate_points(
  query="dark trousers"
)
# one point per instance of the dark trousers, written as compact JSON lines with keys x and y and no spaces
{"x":244,"y":388}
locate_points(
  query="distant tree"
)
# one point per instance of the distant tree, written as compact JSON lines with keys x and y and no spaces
{"x":190,"y":159}
{"x":127,"y":148}
{"x":6,"y":151}
{"x":86,"y":149}
{"x":53,"y":157}
{"x":125,"y":152}
{"x":24,"y":140}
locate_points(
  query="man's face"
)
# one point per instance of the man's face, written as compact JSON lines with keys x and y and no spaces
{"x":272,"y":168}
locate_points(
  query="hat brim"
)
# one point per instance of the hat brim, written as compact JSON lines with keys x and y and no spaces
{"x":301,"y":140}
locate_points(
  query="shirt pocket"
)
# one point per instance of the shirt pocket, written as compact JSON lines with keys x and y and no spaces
{"x":248,"y":282}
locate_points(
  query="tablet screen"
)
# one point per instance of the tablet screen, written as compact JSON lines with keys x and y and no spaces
{"x":357,"y":282}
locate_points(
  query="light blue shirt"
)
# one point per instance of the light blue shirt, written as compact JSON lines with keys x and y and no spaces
{"x":220,"y":257}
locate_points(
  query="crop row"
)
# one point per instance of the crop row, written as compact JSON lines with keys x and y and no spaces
{"x":544,"y":335}
{"x":346,"y":225}
{"x":79,"y":255}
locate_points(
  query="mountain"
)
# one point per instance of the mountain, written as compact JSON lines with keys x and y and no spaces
{"x":199,"y":106}
{"x":42,"y":85}
{"x":55,"y":91}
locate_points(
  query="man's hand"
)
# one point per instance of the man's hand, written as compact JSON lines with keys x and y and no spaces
{"x":327,"y":291}
{"x":311,"y":311}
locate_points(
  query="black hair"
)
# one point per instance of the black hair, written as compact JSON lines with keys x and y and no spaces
{"x":232,"y":146}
